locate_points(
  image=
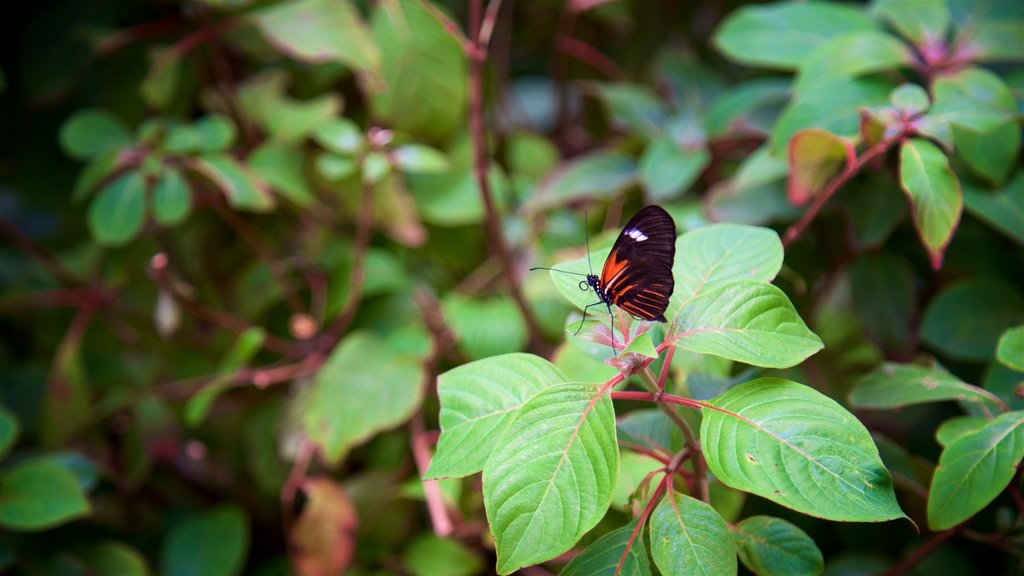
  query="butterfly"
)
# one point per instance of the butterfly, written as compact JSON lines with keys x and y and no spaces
{"x":637,"y":276}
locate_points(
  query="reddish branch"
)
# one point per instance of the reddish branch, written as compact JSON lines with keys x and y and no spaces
{"x":666,"y":479}
{"x":591,"y":56}
{"x":479,"y":34}
{"x":920,"y":553}
{"x":851,"y":170}
{"x":37,"y":252}
{"x":364,"y":227}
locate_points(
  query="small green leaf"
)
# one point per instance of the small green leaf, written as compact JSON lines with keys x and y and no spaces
{"x":419,"y":159}
{"x":265,"y":101}
{"x":434,"y":556}
{"x":214,"y":543}
{"x":850,"y":56}
{"x":334,"y":168}
{"x":319,"y":31}
{"x":1010,"y":350}
{"x":117,"y":213}
{"x":485,"y":327}
{"x":340,"y":135}
{"x":1001,"y":209}
{"x":112,"y":558}
{"x":9,"y":430}
{"x":95,"y":172}
{"x":910,"y":98}
{"x":602,"y":558}
{"x":667,"y":170}
{"x":38,"y":495}
{"x":799,"y":448}
{"x":245,"y":347}
{"x":966,"y":319}
{"x":898,"y":385}
{"x":934,"y":193}
{"x":783,"y":35}
{"x":240,"y":186}
{"x":885,"y":298}
{"x":212,"y":133}
{"x":172,"y":197}
{"x":550,"y":480}
{"x":815,"y":156}
{"x":974,"y":469}
{"x":959,"y":426}
{"x":376,"y":167}
{"x":282,"y":166}
{"x":596,"y":175}
{"x":478,"y":402}
{"x":160,"y":85}
{"x":833,"y":105}
{"x":387,"y":383}
{"x":746,"y":321}
{"x":744,"y":105}
{"x":642,"y":345}
{"x":689,"y":537}
{"x":634,"y":107}
{"x":924,"y":22}
{"x":771,"y":546}
{"x":93,"y":132}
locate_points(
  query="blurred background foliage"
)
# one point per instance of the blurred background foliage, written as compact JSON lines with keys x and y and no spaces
{"x":241,"y":238}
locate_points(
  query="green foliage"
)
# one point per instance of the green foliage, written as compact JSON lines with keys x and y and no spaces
{"x":252,"y":289}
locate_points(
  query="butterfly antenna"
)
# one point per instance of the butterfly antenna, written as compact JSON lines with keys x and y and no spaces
{"x":557,"y":270}
{"x":586,"y":230}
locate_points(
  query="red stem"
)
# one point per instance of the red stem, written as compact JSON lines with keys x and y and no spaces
{"x":643,"y":520}
{"x":919,"y":554}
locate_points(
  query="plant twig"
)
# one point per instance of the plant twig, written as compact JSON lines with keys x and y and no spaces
{"x":851,"y":170}
{"x":37,"y":252}
{"x":699,"y":483}
{"x":364,"y":228}
{"x":920,"y":553}
{"x":655,"y":497}
{"x":591,"y":56}
{"x":481,"y":164}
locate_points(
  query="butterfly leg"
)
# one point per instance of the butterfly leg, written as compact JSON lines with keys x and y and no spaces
{"x":611,"y":324}
{"x":585,"y":308}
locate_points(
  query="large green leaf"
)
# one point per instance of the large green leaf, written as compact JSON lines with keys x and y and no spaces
{"x":994,"y":40}
{"x":117,"y":213}
{"x":1009,"y":351}
{"x":833,"y":105}
{"x":897,"y":385}
{"x":283,"y":166}
{"x":885,"y":298}
{"x":713,"y":256}
{"x":485,"y":327}
{"x":771,"y":546}
{"x":974,"y":469}
{"x":550,"y":481}
{"x":318,"y":31}
{"x":956,"y":427}
{"x":934,"y":193}
{"x":689,"y":537}
{"x":212,"y":133}
{"x":744,"y":105}
{"x":783,"y":35}
{"x":93,"y":132}
{"x":214,"y":543}
{"x":852,"y":55}
{"x":597,"y":175}
{"x":799,"y":448}
{"x":972,"y":98}
{"x":747,"y":321}
{"x":9,"y":430}
{"x":418,"y":57}
{"x":478,"y":402}
{"x":429,"y":555}
{"x":1001,"y":209}
{"x":966,"y":319}
{"x":815,"y":156}
{"x":924,"y":22}
{"x":241,"y":187}
{"x":602,"y":558}
{"x":38,"y":495}
{"x":667,"y":169}
{"x":366,"y":386}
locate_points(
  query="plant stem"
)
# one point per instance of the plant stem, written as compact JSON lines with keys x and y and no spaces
{"x":699,"y":482}
{"x":364,"y":226}
{"x":658,"y":491}
{"x":479,"y":33}
{"x":920,"y":553}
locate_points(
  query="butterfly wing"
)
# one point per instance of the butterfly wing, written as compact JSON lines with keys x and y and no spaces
{"x":637,"y":276}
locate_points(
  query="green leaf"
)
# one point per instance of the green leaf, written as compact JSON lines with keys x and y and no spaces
{"x":713,"y":256}
{"x":596,"y":175}
{"x":852,"y":55}
{"x":972,"y":99}
{"x":212,"y":133}
{"x":667,"y":169}
{"x":885,"y":299}
{"x":897,"y":385}
{"x":478,"y":402}
{"x":934,"y":193}
{"x":642,"y":345}
{"x":993,"y":40}
{"x":245,"y":347}
{"x":434,"y":556}
{"x":531,"y":155}
{"x":783,"y":35}
{"x":95,"y":172}
{"x":874,"y":208}
{"x":974,"y":469}
{"x":1009,"y":351}
{"x":602,"y":558}
{"x":172,"y":198}
{"x":160,"y":85}
{"x":334,"y":168}
{"x":771,"y":546}
{"x":376,"y":167}
{"x":744,"y":105}
{"x":319,"y":31}
{"x":112,"y":558}
{"x":910,"y":98}
{"x":419,"y":159}
{"x":756,"y":195}
{"x":815,"y":156}
{"x":117,"y":213}
{"x":689,"y":537}
{"x":747,"y":321}
{"x":1003,"y":209}
{"x":38,"y":495}
{"x":550,"y":480}
{"x":264,"y":100}
{"x":340,"y":135}
{"x":966,"y":319}
{"x":634,"y":107}
{"x":956,"y":427}
{"x":365,"y":387}
{"x":924,"y":22}
{"x":241,"y":187}
{"x":991,"y":154}
{"x":283,"y":166}
{"x":214,"y":543}
{"x":418,"y":57}
{"x":651,"y":429}
{"x":485,"y":327}
{"x":799,"y":448}
{"x":93,"y":132}
{"x":634,"y":469}
{"x":9,"y":430}
{"x":833,"y":106}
